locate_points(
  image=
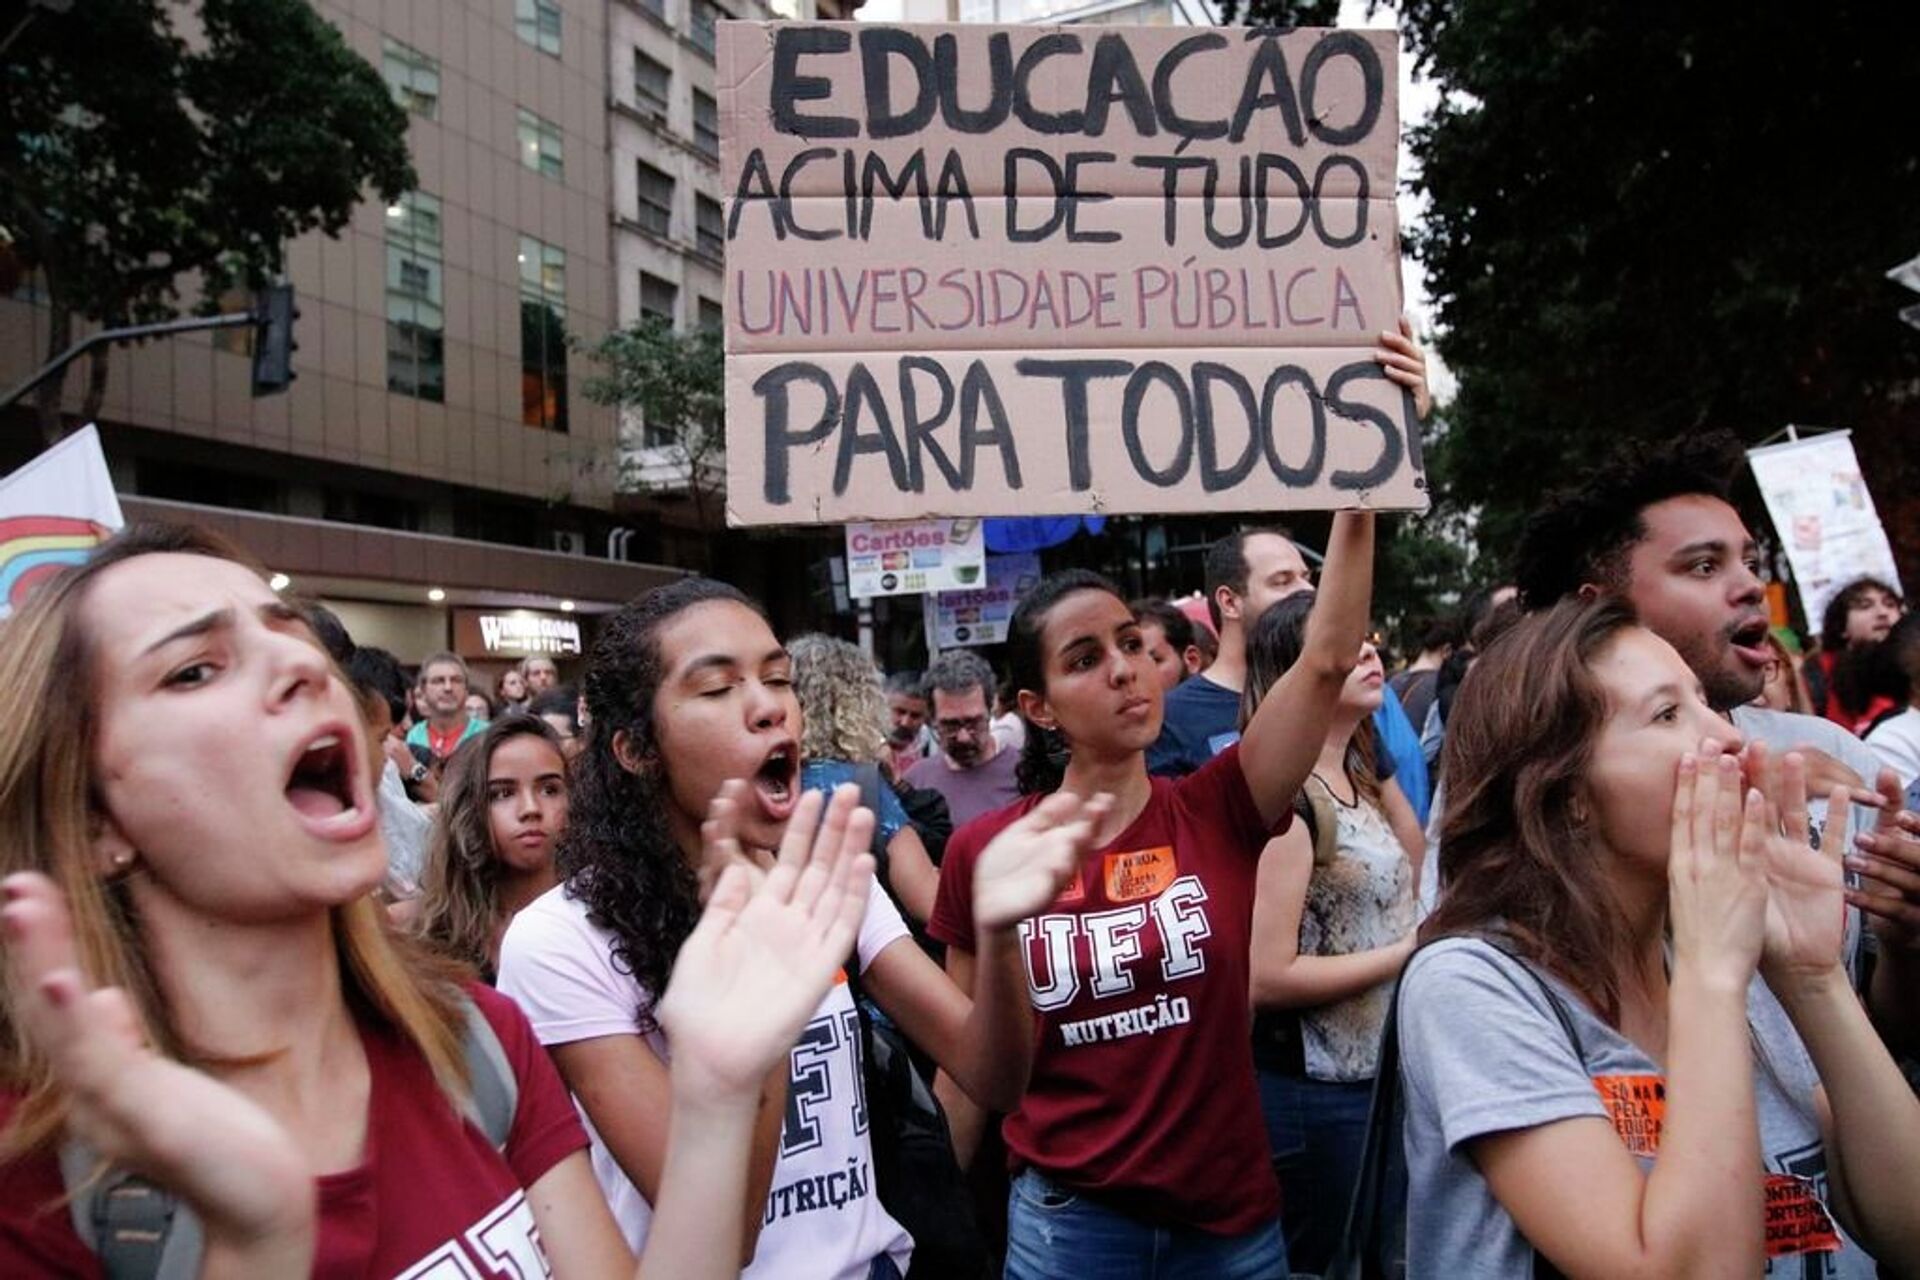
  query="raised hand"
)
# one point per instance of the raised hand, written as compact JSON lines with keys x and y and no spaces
{"x":203,"y":1141}
{"x":767,"y":949}
{"x":1406,"y":364}
{"x":1716,"y":870}
{"x":1024,"y":868}
{"x":1888,"y":864}
{"x":1806,"y":888}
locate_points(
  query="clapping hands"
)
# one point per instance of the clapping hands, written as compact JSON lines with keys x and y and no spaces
{"x":768,"y":945}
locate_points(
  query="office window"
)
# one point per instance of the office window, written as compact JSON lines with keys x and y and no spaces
{"x":710,"y":225}
{"x":704,"y":14}
{"x":416,"y":321}
{"x":543,"y":335}
{"x":706,"y":125}
{"x":711,"y":315}
{"x":412,"y":77}
{"x":538,"y":23}
{"x":655,"y":212}
{"x":541,"y":148}
{"x":657,"y":298}
{"x":652,"y":83}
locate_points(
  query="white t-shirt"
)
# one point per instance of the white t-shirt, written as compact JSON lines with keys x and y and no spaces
{"x":823,"y":1216}
{"x":1896,"y":740}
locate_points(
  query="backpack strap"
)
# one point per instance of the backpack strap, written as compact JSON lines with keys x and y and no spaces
{"x":138,"y":1231}
{"x":1323,"y":821}
{"x":493,"y":1089}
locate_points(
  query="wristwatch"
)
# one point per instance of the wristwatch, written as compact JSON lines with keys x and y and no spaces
{"x":419,"y":773}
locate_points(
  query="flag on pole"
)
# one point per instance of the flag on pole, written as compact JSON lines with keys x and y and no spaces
{"x":53,"y":512}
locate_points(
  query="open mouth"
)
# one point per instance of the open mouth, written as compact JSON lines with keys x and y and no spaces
{"x":776,"y":783}
{"x":1750,"y":642}
{"x":321,"y":787}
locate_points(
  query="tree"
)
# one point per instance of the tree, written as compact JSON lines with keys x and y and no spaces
{"x":145,"y":144}
{"x":1647,"y":220}
{"x":678,"y":383}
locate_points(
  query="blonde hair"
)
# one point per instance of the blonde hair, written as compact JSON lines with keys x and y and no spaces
{"x":842,"y":699}
{"x":49,"y":810}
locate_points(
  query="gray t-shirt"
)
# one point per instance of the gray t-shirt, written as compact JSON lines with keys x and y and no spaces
{"x":1482,"y":1052}
{"x":969,"y":792}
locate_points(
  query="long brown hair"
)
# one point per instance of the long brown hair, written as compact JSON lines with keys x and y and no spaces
{"x":460,"y":887}
{"x":1274,"y":643}
{"x":50,"y":810}
{"x":1516,"y":853}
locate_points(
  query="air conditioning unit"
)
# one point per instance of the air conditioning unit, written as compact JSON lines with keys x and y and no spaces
{"x":568,"y":542}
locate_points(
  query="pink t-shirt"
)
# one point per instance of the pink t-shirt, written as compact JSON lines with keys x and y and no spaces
{"x":432,"y":1198}
{"x":1143,"y":1090}
{"x":823,"y":1218}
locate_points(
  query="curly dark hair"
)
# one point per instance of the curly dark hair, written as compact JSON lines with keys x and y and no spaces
{"x":1043,"y":756}
{"x":619,"y":857}
{"x":1583,"y":534}
{"x":1833,"y":622}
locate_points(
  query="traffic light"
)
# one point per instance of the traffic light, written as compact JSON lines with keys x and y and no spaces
{"x":273,"y":346}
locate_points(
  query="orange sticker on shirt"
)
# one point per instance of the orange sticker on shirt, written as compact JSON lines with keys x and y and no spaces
{"x":1637,"y":1105}
{"x":1797,"y":1219}
{"x":1144,"y":873}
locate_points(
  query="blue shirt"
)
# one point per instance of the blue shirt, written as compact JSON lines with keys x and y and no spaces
{"x":825,"y":775}
{"x":1202,"y":720}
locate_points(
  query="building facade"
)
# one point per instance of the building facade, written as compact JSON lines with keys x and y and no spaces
{"x":437,"y":412}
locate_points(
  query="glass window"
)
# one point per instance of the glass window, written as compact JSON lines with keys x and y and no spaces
{"x":543,"y":334}
{"x":706,"y":125}
{"x":538,"y":23}
{"x":711,"y":316}
{"x":416,"y":321}
{"x":412,"y":77}
{"x":705,"y":14}
{"x":655,"y":212}
{"x":711,"y":225}
{"x":541,"y":148}
{"x":652,"y":81}
{"x":657,"y":298}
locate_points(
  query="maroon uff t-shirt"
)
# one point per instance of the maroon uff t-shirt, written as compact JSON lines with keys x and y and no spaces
{"x":433,"y":1198}
{"x":1142,"y":1092}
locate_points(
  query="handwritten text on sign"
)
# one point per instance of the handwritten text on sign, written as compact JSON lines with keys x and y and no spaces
{"x":978,"y":270}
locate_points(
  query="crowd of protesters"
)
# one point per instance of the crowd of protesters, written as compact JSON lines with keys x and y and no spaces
{"x":1193,"y":942}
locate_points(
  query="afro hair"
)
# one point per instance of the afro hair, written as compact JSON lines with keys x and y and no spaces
{"x":1583,"y":533}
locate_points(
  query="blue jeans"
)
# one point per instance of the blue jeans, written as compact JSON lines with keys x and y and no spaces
{"x":882,"y":1268}
{"x":1055,"y":1234}
{"x":1318,"y":1132}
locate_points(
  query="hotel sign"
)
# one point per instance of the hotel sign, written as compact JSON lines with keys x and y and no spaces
{"x":515,"y":633}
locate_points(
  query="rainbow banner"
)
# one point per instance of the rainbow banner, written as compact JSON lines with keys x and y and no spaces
{"x":53,"y":512}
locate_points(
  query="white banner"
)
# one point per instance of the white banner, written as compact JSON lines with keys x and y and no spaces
{"x":907,"y":557}
{"x":53,"y":512}
{"x":1824,"y":514}
{"x":957,"y":618}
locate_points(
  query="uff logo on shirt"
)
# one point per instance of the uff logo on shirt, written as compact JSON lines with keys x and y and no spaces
{"x":1125,"y":953}
{"x":504,"y":1243}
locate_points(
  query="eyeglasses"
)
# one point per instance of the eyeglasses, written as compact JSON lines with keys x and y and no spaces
{"x":975,"y":725}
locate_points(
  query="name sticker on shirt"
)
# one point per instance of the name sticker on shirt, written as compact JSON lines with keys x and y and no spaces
{"x":1143,"y":873}
{"x":1638,"y":1107}
{"x":1797,"y":1219}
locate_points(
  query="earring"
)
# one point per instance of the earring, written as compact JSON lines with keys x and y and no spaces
{"x":121,"y":861}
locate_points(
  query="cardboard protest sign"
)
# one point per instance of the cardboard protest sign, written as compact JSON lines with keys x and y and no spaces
{"x":1026,"y":270}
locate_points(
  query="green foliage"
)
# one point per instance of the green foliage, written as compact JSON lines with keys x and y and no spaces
{"x":676,"y":380}
{"x":142,"y":142}
{"x":1280,"y":13}
{"x":133,"y":155}
{"x":1647,"y":220}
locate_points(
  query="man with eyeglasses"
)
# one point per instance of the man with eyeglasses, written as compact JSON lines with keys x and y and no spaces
{"x":971,"y":770}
